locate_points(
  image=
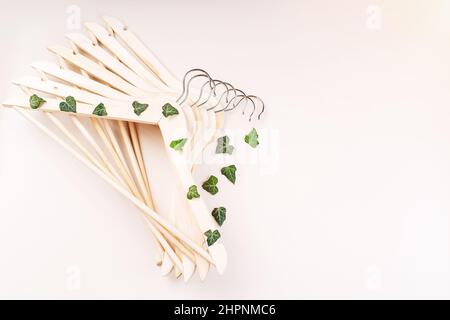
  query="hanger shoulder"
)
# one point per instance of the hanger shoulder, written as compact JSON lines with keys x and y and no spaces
{"x":61,"y":90}
{"x":141,"y":51}
{"x":116,"y":111}
{"x":78,"y":80}
{"x":108,"y":60}
{"x":110,"y":42}
{"x":174,"y":128}
{"x":97,"y":71}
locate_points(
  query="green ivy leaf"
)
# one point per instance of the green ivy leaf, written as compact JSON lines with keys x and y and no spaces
{"x":192,"y":192}
{"x":252,"y":138}
{"x":139,"y":107}
{"x":178,"y":144}
{"x":69,"y":105}
{"x":71,"y":101}
{"x":210,"y":185}
{"x":219,"y":214}
{"x":230,"y":173}
{"x":169,"y":110}
{"x":212,"y":236}
{"x":223,"y":145}
{"x":36,"y":101}
{"x":100,"y":110}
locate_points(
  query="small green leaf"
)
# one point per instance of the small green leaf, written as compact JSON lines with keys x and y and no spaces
{"x":100,"y":110}
{"x":70,"y":105}
{"x":210,"y":185}
{"x":139,"y":107}
{"x":169,"y":110}
{"x":71,"y":101}
{"x":223,"y":145}
{"x":178,"y":144}
{"x":252,"y":138}
{"x":219,"y":214}
{"x":192,"y":192}
{"x":36,"y":101}
{"x":212,"y":236}
{"x":230,"y":173}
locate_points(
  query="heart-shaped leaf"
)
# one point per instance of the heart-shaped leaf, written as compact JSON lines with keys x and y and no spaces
{"x":219,"y":214}
{"x":139,"y":107}
{"x":192,"y":192}
{"x":223,"y":145}
{"x":100,"y":110}
{"x":71,"y":101}
{"x":212,"y":236}
{"x":69,"y":105}
{"x":252,"y":138}
{"x":168,"y":110}
{"x":210,"y":185}
{"x":178,"y":144}
{"x":36,"y":101}
{"x":230,"y":173}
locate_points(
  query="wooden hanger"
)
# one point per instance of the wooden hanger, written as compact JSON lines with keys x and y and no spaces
{"x":110,"y":65}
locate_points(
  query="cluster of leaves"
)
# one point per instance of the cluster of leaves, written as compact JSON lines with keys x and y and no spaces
{"x":68,"y":105}
{"x":210,"y":185}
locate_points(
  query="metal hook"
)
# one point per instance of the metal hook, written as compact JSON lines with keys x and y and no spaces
{"x":211,"y":92}
{"x":231,"y":100}
{"x":235,"y":104}
{"x":201,"y":94}
{"x":229,"y":88}
{"x":242,"y":95}
{"x":214,"y":85}
{"x":188,"y":86}
{"x":262,"y":103}
{"x":184,"y":80}
{"x":245,"y":107}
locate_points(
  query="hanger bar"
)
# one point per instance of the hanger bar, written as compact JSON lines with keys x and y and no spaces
{"x":62,"y":90}
{"x":142,"y":51}
{"x":110,"y":42}
{"x":116,"y":69}
{"x":109,"y":61}
{"x":169,"y":129}
{"x":80,"y":81}
{"x":149,"y":212}
{"x":115,"y":112}
{"x":97,"y":71}
{"x":169,"y":254}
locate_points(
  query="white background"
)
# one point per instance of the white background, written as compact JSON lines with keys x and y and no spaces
{"x":352,"y":200}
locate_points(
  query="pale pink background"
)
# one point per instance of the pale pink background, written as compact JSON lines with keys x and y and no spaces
{"x":355,"y":203}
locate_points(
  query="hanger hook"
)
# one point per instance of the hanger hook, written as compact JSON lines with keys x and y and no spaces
{"x":185,"y":77}
{"x":228,"y":101}
{"x":186,"y":96}
{"x":248,"y":98}
{"x":262,"y":104}
{"x":229,"y":88}
{"x":201,"y":94}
